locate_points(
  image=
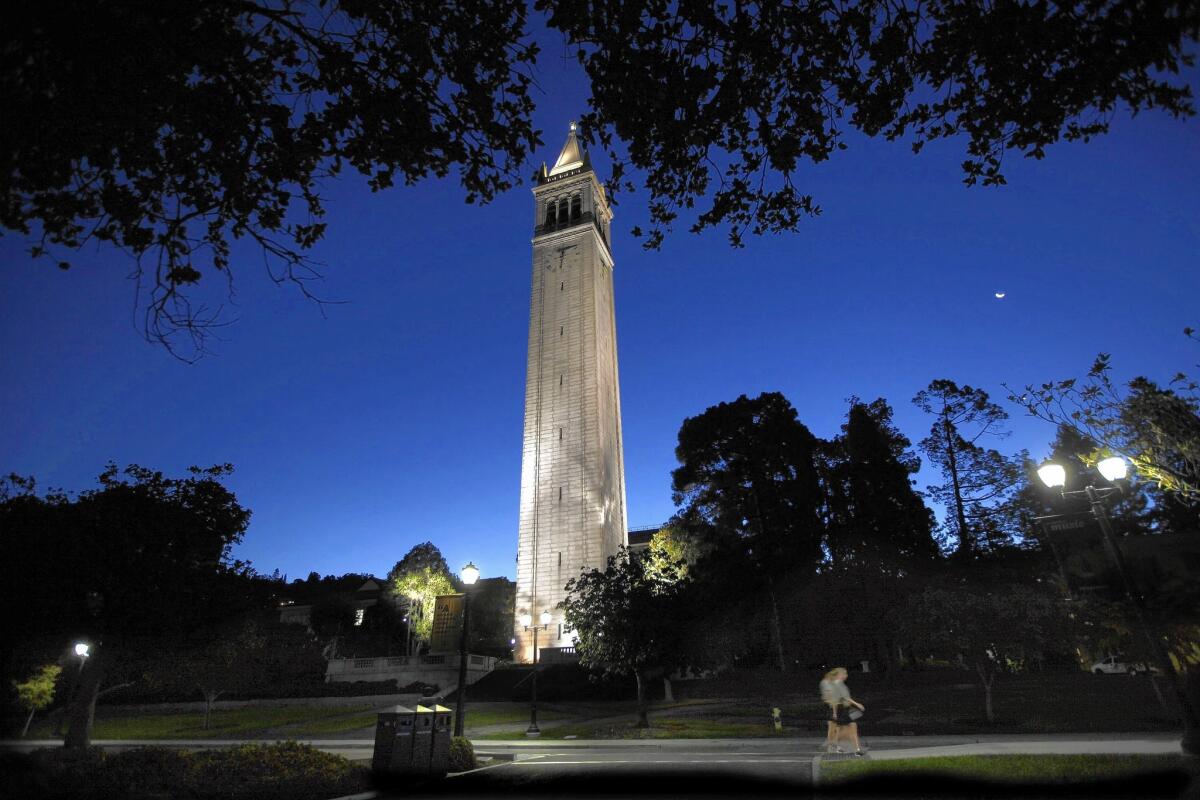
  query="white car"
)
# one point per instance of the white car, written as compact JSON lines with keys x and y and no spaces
{"x":1115,"y":665}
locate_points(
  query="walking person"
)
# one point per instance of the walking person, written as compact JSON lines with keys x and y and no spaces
{"x":831,"y":726}
{"x":842,"y":717}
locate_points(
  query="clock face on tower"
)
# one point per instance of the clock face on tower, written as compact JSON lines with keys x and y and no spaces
{"x":552,"y":265}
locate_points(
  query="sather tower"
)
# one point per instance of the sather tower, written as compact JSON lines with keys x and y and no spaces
{"x":572,"y":467}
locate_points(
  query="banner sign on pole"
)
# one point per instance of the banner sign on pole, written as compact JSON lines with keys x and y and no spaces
{"x":1078,"y":547}
{"x":447,"y":624}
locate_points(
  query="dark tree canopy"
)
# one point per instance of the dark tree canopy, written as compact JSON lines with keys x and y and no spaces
{"x":876,"y":518}
{"x":725,"y":102}
{"x":750,"y":497}
{"x":170,"y":129}
{"x":987,"y":626}
{"x":747,"y":475}
{"x":142,"y":556}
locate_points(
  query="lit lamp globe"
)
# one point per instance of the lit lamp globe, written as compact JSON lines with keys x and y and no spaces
{"x":1053,"y":475}
{"x":81,"y":649}
{"x":526,"y":620}
{"x":470,"y":574}
{"x":545,"y":617}
{"x":1113,"y":468}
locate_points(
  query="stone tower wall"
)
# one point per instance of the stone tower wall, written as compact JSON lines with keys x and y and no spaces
{"x":572,"y":470}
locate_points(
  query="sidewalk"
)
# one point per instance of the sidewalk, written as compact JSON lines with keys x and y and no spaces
{"x":881,"y":747}
{"x":890,"y":748}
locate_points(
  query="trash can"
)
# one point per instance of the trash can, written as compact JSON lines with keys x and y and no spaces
{"x":393,"y":741}
{"x":439,"y":757}
{"x":422,"y":739}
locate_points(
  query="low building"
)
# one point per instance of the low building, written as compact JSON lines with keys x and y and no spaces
{"x":367,"y":595}
{"x":639,"y":538}
{"x":440,"y":669}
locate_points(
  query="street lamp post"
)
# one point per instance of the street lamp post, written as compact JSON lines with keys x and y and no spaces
{"x":470,"y":574}
{"x":82,"y":650}
{"x":1115,"y":469}
{"x":527,"y":621}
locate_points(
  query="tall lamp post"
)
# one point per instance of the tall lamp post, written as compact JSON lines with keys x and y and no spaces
{"x":82,"y":650}
{"x":469,"y":574}
{"x":527,"y":621}
{"x":1114,"y":469}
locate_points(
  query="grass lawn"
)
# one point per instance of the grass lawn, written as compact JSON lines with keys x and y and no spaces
{"x":660,"y":728}
{"x":224,"y":724}
{"x":482,"y":714}
{"x":478,"y":716}
{"x":318,"y":727}
{"x":951,"y":701}
{"x":1067,"y":769}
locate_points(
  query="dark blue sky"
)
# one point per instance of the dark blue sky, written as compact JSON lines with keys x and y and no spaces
{"x":396,"y":418}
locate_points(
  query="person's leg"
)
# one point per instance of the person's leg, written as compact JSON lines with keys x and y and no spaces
{"x":831,"y":739}
{"x":852,"y":729}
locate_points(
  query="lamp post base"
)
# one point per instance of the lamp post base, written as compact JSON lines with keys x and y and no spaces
{"x":532,"y":732}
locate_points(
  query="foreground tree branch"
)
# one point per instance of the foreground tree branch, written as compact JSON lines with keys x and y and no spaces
{"x":171,"y":130}
{"x":735,"y":97}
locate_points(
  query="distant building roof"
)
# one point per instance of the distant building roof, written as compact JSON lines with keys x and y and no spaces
{"x":639,"y":538}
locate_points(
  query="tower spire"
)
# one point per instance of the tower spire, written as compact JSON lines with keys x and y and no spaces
{"x":572,"y":155}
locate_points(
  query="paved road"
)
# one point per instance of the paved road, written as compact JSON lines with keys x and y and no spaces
{"x":622,"y":769}
{"x":730,"y":768}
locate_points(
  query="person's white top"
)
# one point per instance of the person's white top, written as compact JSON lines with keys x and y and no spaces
{"x":834,"y":692}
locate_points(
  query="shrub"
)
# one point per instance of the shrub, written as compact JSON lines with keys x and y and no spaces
{"x":24,"y":776}
{"x":287,"y":771}
{"x":284,"y":771}
{"x":67,"y":773}
{"x":144,"y":772}
{"x":462,"y":754}
{"x":423,"y":689}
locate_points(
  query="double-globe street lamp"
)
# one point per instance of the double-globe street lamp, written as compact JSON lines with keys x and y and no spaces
{"x":469,"y":574}
{"x":527,"y":621}
{"x":1114,"y":469}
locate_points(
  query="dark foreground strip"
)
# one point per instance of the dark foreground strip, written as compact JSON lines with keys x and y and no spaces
{"x":606,"y":783}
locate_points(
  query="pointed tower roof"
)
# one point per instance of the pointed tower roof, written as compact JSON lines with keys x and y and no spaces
{"x":572,"y":155}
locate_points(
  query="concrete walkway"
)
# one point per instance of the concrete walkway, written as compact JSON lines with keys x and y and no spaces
{"x":1064,"y":744}
{"x":879,"y":748}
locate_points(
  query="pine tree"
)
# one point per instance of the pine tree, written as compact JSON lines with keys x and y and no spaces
{"x":876,"y":517}
{"x":979,"y":482}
